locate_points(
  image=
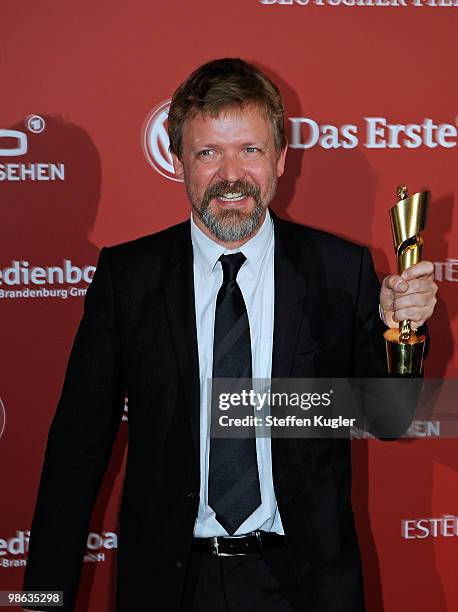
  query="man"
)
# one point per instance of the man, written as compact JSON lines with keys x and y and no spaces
{"x":214,"y":524}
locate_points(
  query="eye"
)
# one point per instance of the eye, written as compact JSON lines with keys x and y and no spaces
{"x":206,"y":153}
{"x":252,"y":152}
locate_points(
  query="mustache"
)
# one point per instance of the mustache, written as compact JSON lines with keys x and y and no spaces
{"x":224,"y":187}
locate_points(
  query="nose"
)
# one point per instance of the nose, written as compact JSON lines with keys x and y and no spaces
{"x":230,"y":169}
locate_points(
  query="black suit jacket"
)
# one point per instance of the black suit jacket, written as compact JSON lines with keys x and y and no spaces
{"x":138,"y":333}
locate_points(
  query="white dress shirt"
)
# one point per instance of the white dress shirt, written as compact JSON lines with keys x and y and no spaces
{"x":256,"y":281}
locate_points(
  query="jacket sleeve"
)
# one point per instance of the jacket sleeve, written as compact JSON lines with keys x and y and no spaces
{"x":369,"y":345}
{"x":387,"y":402}
{"x":79,"y":445}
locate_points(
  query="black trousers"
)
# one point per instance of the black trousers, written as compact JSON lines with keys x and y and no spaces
{"x":257,"y":582}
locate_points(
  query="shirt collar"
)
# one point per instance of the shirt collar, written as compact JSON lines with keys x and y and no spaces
{"x":207,"y":251}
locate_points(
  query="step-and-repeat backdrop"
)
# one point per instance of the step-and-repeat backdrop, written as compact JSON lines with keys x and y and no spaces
{"x":371,"y":101}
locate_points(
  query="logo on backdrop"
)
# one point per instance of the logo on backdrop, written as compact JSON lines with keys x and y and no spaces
{"x":98,"y":543}
{"x":446,"y":270}
{"x":14,"y":143}
{"x":2,"y":417}
{"x":371,"y":3}
{"x":445,"y":526}
{"x":156,"y":141}
{"x":417,"y":429}
{"x":14,"y":550}
{"x":374,"y":133}
{"x":306,"y":133}
{"x":21,"y":280}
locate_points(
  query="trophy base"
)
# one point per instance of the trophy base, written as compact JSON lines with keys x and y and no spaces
{"x":404,"y":358}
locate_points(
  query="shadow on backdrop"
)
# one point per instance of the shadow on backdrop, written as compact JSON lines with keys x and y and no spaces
{"x":44,"y":223}
{"x":340,"y":191}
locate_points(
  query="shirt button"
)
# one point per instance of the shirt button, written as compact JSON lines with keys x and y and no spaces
{"x":179,"y":564}
{"x":192,"y":494}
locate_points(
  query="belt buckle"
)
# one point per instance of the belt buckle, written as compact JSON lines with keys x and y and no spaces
{"x":214,"y":546}
{"x":257,"y":533}
{"x":215,"y":549}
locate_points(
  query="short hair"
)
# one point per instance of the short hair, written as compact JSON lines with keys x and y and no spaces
{"x":221,"y":85}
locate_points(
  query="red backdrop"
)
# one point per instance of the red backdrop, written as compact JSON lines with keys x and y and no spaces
{"x":77,"y":177}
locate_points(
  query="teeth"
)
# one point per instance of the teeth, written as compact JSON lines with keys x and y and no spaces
{"x":232,"y":197}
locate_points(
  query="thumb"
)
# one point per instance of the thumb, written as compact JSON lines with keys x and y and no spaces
{"x":391,"y":285}
{"x":386,"y":293}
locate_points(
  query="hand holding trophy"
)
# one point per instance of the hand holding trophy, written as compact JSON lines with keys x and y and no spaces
{"x":404,"y":347}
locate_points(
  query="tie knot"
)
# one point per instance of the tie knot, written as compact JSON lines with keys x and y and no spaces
{"x":231,"y":265}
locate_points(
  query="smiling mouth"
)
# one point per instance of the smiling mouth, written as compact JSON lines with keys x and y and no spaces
{"x":232,"y":197}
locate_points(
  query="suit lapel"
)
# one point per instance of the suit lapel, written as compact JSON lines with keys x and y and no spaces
{"x":290,"y":309}
{"x":289,"y":300}
{"x":180,"y":304}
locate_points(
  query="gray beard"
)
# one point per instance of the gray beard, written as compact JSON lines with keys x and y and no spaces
{"x":230,"y":226}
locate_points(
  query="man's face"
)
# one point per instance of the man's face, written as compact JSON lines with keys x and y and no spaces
{"x":230,"y":168}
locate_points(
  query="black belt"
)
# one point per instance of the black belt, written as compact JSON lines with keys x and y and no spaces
{"x":227,"y":546}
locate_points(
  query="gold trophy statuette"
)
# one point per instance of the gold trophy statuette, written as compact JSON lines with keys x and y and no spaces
{"x":404,"y":348}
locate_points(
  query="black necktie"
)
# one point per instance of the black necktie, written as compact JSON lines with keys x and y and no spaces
{"x":233,"y":482}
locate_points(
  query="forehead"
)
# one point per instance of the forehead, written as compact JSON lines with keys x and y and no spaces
{"x":246,"y":124}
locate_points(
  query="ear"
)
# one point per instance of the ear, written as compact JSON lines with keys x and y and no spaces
{"x":178,"y":167}
{"x":281,"y":161}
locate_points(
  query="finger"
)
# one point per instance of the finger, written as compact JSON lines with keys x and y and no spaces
{"x":416,"y":315}
{"x":421,"y":285}
{"x":413,"y":300}
{"x":386,"y":294}
{"x":422,"y":268}
{"x":394,"y":282}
